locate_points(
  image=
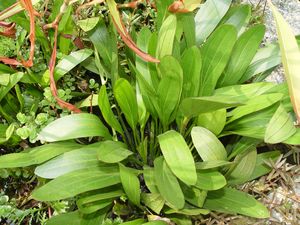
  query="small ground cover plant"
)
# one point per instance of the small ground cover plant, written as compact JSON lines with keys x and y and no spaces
{"x":167,"y":126}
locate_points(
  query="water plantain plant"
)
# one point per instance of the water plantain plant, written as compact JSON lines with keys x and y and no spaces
{"x":172,"y":140}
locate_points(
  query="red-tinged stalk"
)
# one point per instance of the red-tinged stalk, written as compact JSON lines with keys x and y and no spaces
{"x":52,"y":61}
{"x":27,"y":5}
{"x":128,"y":41}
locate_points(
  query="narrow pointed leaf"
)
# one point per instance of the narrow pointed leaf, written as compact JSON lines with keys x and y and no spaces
{"x":106,"y":110}
{"x":178,"y":156}
{"x":13,"y":80}
{"x":67,"y":63}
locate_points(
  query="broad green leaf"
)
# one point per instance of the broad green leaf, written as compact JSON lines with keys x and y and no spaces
{"x":169,"y":89}
{"x":113,"y":152}
{"x":77,"y":218}
{"x":188,"y":211}
{"x":213,"y":121}
{"x":232,"y":201}
{"x":261,"y":168}
{"x":156,"y":222}
{"x":216,"y":52}
{"x":208,"y":17}
{"x":254,"y":105}
{"x":265,"y":59}
{"x":294,"y":139}
{"x":178,"y":156}
{"x":211,"y":164}
{"x":4,"y":69}
{"x":106,"y":110}
{"x":245,"y":144}
{"x":131,"y":184}
{"x":162,"y":11}
{"x":143,"y":75}
{"x":143,"y":100}
{"x":208,"y":145}
{"x":93,"y":201}
{"x":280,"y":127}
{"x":74,"y":183}
{"x":242,"y":54}
{"x":245,"y":165}
{"x":67,"y":63}
{"x":195,"y":106}
{"x":126,"y":99}
{"x":88,"y":24}
{"x":92,"y":207}
{"x":65,"y":218}
{"x":244,"y":92}
{"x":36,"y":155}
{"x":154,"y":201}
{"x":238,"y":16}
{"x":189,"y":32}
{"x":4,"y":79}
{"x":290,"y":55}
{"x":244,"y":126}
{"x":74,"y":126}
{"x":194,"y":195}
{"x":149,"y":177}
{"x":166,"y":37}
{"x":134,"y":222}
{"x":168,"y":184}
{"x":210,"y":180}
{"x":85,"y":157}
{"x":191,"y":63}
{"x":13,"y":80}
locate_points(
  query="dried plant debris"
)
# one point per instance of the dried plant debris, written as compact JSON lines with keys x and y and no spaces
{"x":279,"y":191}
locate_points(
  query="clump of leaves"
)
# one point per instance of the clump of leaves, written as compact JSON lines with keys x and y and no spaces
{"x":170,"y":140}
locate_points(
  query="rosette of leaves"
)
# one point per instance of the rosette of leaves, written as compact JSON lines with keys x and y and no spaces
{"x":174,"y":139}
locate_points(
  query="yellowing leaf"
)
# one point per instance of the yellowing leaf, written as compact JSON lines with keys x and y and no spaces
{"x":290,"y":54}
